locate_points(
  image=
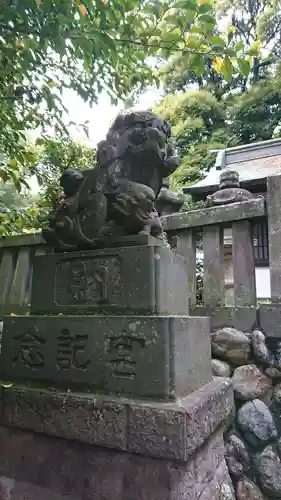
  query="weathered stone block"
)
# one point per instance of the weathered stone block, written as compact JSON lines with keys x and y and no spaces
{"x":71,"y":470}
{"x":166,"y":430}
{"x":66,"y":469}
{"x":139,"y":279}
{"x":245,"y":318}
{"x":220,"y":487}
{"x":160,"y":431}
{"x":10,"y":489}
{"x":85,"y":418}
{"x":205,"y":410}
{"x":140,"y":356}
{"x":219,"y":214}
{"x":270,"y":320}
{"x":241,"y":318}
{"x":176,"y":434}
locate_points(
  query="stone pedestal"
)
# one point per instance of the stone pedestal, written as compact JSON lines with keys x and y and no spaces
{"x":141,"y":356}
{"x":112,"y":320}
{"x":138,"y":279}
{"x":113,"y":323}
{"x":71,"y":446}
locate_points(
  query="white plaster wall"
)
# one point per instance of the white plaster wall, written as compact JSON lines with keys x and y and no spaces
{"x":262,"y":273}
{"x":263,"y":282}
{"x":228,"y":278}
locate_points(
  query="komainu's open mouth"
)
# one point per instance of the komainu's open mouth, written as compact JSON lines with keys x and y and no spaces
{"x":141,"y":214}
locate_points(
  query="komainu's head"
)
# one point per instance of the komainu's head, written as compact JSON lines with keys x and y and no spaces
{"x":139,"y":136}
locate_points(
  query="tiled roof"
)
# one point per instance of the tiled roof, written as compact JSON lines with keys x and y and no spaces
{"x":253,"y":162}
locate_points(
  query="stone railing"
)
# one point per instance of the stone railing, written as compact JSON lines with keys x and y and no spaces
{"x":210,"y":224}
{"x":17,"y":253}
{"x":17,"y":256}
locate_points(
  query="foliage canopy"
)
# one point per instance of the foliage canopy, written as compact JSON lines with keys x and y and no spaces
{"x":251,"y":26}
{"x":98,"y":45}
{"x":23,"y":212}
{"x":203,"y":124}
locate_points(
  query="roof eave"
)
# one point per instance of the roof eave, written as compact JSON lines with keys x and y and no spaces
{"x":213,"y":187}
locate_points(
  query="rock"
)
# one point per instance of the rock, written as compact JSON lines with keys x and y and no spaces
{"x":260,"y":349}
{"x":278,"y":444}
{"x":276,"y":398}
{"x":231,"y":345}
{"x":267,"y":398}
{"x":277,"y":356}
{"x":276,"y":406}
{"x":247,"y":490}
{"x":250,"y":383}
{"x":273,"y":372}
{"x":237,"y":456}
{"x":225,"y":492}
{"x":220,"y":368}
{"x":268,"y":466}
{"x":256,"y":422}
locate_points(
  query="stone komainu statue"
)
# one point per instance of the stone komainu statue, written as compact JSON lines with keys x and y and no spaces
{"x":117,"y":197}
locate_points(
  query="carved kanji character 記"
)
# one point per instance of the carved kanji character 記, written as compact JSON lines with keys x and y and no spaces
{"x":71,"y":351}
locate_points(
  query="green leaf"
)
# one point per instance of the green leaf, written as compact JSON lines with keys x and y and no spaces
{"x":13,"y":163}
{"x":192,"y":42}
{"x":171,"y":19}
{"x":172,"y":36}
{"x":244,"y":66}
{"x":205,"y":7}
{"x":186,"y":4}
{"x":226,"y":69}
{"x":51,"y":84}
{"x":217,"y":40}
{"x":39,"y":141}
{"x":207,"y":18}
{"x":254,"y":48}
{"x":16,"y":181}
{"x":198,"y":65}
{"x":239,"y":46}
{"x":230,"y":52}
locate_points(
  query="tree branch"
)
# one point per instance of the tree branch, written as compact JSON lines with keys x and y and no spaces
{"x":139,"y":43}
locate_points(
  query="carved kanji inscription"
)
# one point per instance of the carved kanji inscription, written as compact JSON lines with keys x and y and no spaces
{"x":123,"y":355}
{"x":72,"y":351}
{"x":109,"y":354}
{"x":93,"y":281}
{"x":29,"y":350}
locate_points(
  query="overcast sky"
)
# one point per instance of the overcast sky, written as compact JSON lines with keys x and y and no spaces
{"x":99,"y":116}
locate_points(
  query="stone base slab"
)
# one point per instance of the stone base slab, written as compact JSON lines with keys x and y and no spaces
{"x":241,"y":318}
{"x":139,"y":279}
{"x":35,"y":466}
{"x":11,"y":489}
{"x":171,"y":431}
{"x":270,"y":320}
{"x":220,"y":487}
{"x":140,"y":356}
